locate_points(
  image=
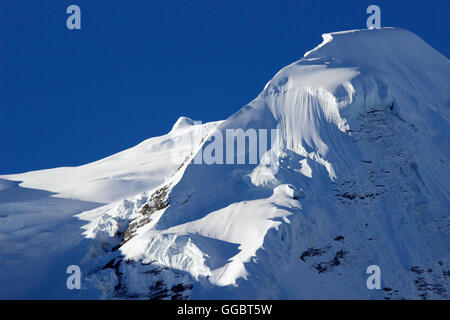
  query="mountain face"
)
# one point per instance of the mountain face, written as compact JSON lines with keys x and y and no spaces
{"x":357,"y":175}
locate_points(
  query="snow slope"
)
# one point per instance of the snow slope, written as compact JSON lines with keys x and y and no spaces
{"x":124,"y":174}
{"x":357,"y":176}
{"x":37,"y":223}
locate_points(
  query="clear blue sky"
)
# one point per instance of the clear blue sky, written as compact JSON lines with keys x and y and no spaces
{"x":72,"y":97}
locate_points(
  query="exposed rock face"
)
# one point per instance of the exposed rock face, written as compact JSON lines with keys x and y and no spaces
{"x":158,"y":201}
{"x":122,"y":278}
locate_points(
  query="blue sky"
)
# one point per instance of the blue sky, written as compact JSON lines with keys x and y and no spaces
{"x":72,"y":97}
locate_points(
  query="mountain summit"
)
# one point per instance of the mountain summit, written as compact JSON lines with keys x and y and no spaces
{"x":357,"y":176}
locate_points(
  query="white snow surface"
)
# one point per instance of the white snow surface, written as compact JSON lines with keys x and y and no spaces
{"x":127,"y":173}
{"x":38,"y":225}
{"x":359,"y":175}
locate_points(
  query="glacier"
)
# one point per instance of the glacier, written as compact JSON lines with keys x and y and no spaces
{"x":359,"y":176}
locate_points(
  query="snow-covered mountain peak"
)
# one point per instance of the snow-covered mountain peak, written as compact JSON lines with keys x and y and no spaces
{"x":182,"y":122}
{"x":384,"y":54}
{"x":358,"y":175}
{"x":370,"y":47}
{"x":352,"y":71}
{"x":346,"y":115}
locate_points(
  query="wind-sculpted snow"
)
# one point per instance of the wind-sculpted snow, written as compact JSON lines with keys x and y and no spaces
{"x":357,"y":175}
